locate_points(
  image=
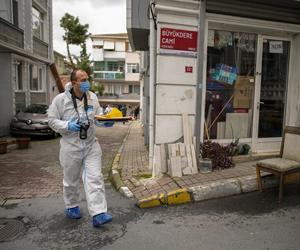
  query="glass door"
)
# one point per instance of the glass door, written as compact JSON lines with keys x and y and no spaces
{"x":272,"y":79}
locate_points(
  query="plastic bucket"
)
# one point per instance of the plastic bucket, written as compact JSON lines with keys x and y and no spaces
{"x":205,"y":166}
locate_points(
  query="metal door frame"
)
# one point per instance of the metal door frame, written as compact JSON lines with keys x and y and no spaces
{"x":273,"y":143}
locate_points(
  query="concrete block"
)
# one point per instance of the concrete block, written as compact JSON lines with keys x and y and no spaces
{"x":126,"y":192}
{"x":116,"y":179}
{"x":248,"y":183}
{"x":178,"y":196}
{"x":216,"y":189}
{"x":152,"y":201}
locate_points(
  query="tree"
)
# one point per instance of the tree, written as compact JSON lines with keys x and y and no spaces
{"x":83,"y":61}
{"x":75,"y":33}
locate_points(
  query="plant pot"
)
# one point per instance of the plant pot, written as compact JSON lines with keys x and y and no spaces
{"x":23,"y":143}
{"x":3,"y":147}
{"x":205,"y":165}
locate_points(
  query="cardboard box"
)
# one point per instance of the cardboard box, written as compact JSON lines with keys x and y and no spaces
{"x":243,"y":89}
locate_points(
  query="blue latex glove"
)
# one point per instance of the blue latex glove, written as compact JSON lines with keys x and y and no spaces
{"x":73,"y":126}
{"x":84,"y":86}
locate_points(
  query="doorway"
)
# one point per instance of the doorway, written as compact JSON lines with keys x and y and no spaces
{"x":270,"y":94}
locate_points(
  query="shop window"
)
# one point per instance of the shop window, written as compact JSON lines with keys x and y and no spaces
{"x":37,"y":23}
{"x":36,"y":75}
{"x":132,"y":68}
{"x":231,"y":58}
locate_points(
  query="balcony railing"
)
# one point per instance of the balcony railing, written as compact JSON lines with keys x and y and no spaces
{"x":109,"y":75}
{"x":40,"y":47}
{"x":11,"y":34}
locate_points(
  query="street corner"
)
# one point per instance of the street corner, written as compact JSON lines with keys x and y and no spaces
{"x":178,"y":196}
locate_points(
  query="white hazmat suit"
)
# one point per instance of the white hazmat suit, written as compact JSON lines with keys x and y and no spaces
{"x":76,"y":153}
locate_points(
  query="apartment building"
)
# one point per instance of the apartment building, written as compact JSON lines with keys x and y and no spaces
{"x":26,"y":53}
{"x":117,"y":69}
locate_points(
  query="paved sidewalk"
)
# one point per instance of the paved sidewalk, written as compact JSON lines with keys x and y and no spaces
{"x":36,"y":172}
{"x":133,"y":168}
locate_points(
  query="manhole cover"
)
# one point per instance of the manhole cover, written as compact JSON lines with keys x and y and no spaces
{"x":9,"y":228}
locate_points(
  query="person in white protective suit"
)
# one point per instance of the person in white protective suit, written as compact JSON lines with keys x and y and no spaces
{"x":72,"y":115}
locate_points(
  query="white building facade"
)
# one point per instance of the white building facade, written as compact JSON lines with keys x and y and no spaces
{"x":26,"y":52}
{"x":117,"y":69}
{"x":232,"y":66}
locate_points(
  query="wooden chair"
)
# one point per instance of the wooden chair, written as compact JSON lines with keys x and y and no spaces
{"x":289,"y":161}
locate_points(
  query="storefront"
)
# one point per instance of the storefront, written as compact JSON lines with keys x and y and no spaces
{"x":242,"y":81}
{"x":249,"y":72}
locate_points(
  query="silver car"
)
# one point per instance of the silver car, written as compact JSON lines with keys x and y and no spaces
{"x":31,"y":121}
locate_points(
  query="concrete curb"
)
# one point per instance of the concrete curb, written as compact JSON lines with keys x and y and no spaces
{"x":230,"y":187}
{"x":212,"y":190}
{"x":115,"y":174}
{"x":178,"y":196}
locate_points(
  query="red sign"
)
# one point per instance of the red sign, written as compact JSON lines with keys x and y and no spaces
{"x":188,"y":69}
{"x":175,"y":39}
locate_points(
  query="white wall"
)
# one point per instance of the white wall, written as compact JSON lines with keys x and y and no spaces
{"x":114,"y":55}
{"x":175,"y":88}
{"x":293,"y":98}
{"x":132,"y":57}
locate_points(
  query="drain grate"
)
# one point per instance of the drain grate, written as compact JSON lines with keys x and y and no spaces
{"x":10,"y":228}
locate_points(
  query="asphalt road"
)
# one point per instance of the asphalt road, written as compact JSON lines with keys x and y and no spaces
{"x":250,"y":221}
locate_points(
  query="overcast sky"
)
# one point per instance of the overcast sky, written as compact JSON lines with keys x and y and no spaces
{"x":103,"y":16}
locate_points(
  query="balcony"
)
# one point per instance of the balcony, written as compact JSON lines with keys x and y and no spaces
{"x":11,"y":34}
{"x":40,"y":48}
{"x":109,"y":75}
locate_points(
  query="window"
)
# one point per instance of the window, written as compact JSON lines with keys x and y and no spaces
{"x":6,"y":10}
{"x":231,"y":62}
{"x":132,"y":68}
{"x":99,"y":66}
{"x":19,"y":75}
{"x":134,"y":89}
{"x":125,"y":89}
{"x":36,"y":75}
{"x":37,"y":23}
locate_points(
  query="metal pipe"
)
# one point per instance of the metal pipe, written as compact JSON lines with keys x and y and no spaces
{"x":200,"y":65}
{"x":152,"y":82}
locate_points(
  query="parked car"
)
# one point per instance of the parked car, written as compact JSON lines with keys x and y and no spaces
{"x":31,"y":121}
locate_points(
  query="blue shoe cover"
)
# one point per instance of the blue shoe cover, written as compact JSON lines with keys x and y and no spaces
{"x":101,"y":219}
{"x":73,"y":213}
